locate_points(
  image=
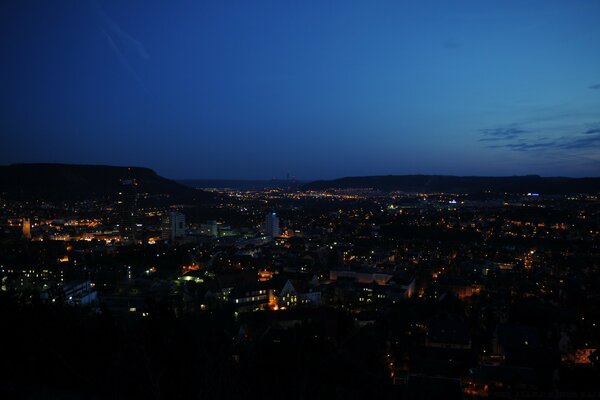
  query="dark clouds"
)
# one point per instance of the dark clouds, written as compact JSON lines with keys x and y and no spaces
{"x":524,"y":146}
{"x":518,"y":139}
{"x":582,"y":142}
{"x":497,"y":134}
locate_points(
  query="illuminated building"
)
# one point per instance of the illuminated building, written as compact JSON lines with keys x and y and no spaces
{"x":79,"y":292}
{"x":31,"y":277}
{"x":173,"y":226}
{"x":26,"y":228}
{"x":127,"y":207}
{"x":271,"y":226}
{"x":251,"y":296}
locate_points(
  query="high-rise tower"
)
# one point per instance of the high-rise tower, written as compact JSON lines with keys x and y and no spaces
{"x":271,"y":225}
{"x":127,"y":208}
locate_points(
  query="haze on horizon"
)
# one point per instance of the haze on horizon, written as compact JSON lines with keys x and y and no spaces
{"x":319,"y":89}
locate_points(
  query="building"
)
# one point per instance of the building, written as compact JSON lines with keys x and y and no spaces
{"x":210,"y":228}
{"x":173,"y":226}
{"x":80,"y":292}
{"x":26,"y":228}
{"x":362,"y":275}
{"x":271,"y":225}
{"x":216,"y":229}
{"x":31,"y":277}
{"x":297,"y":292}
{"x":252,"y":296}
{"x":127,"y":208}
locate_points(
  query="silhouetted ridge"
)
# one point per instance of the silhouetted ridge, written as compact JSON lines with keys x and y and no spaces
{"x":462,"y":184}
{"x":74,"y":182}
{"x":241,"y":184}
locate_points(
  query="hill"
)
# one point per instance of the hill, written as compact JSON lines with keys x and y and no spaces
{"x":241,"y":184}
{"x":78,"y":182}
{"x":463,"y":184}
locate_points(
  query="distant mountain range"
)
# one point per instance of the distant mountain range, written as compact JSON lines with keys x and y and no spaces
{"x":463,"y":184}
{"x":78,"y":182}
{"x":242,"y":184}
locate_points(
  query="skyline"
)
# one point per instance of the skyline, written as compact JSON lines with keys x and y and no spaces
{"x":319,"y":90}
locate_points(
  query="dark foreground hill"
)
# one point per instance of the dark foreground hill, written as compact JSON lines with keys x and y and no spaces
{"x":76,"y":182}
{"x":463,"y":184}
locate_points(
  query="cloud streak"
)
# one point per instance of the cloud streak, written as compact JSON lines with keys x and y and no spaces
{"x":517,"y":139}
{"x":585,"y":142}
{"x":525,"y":146}
{"x":592,"y":131}
{"x":498,"y":134}
{"x":124,"y":46}
{"x":123,"y":59}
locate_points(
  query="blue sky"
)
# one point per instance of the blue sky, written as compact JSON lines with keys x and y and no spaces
{"x":323,"y":89}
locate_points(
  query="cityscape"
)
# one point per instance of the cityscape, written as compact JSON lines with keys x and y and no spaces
{"x":340,"y":292}
{"x":394,"y":200}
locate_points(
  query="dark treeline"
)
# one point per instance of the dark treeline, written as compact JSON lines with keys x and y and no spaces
{"x":62,"y":352}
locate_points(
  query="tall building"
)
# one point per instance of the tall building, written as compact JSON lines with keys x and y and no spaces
{"x":26,"y":228}
{"x":173,"y":226}
{"x":127,"y":208}
{"x":271,"y":225}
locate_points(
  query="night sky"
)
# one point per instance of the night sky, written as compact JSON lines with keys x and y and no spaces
{"x":252,"y":89}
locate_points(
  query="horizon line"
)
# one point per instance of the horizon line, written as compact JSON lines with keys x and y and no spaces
{"x":296,"y":179}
